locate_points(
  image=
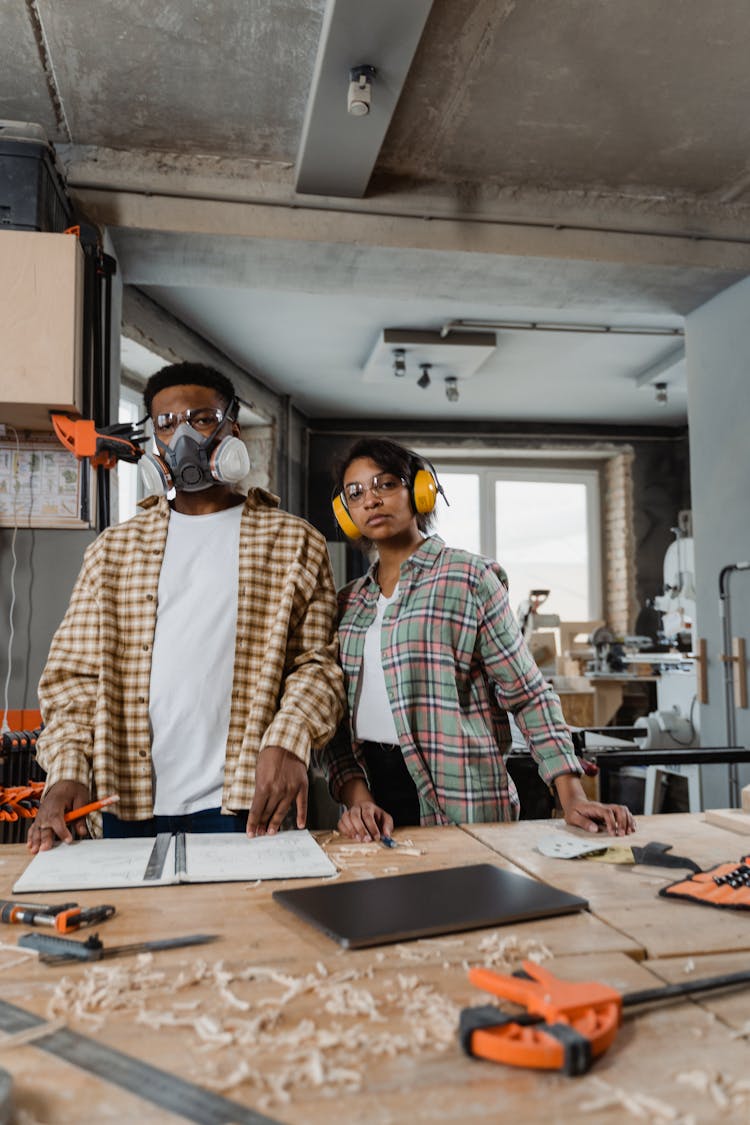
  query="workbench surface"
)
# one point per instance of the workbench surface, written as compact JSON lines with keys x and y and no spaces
{"x":279,"y":1018}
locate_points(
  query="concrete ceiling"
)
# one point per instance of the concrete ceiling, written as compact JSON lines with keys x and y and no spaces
{"x":566,"y":161}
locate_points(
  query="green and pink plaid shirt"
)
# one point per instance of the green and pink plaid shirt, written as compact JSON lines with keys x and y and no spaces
{"x":455,"y":662}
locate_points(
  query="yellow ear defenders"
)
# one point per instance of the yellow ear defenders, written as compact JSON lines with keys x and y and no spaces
{"x":343,"y":519}
{"x":424,"y":491}
{"x":423,"y":494}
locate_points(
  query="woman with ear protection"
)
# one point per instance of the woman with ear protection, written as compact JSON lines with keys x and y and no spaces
{"x":434,"y":661}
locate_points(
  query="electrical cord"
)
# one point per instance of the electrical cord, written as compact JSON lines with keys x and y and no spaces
{"x":679,"y":741}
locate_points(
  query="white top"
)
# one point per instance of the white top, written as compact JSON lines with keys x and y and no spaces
{"x":193,"y":660}
{"x":373,"y":718}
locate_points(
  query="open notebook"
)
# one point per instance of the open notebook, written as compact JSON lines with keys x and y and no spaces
{"x":175,"y":858}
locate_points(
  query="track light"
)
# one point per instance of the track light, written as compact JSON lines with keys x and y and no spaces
{"x":399,"y":361}
{"x":359,"y":95}
{"x":661,"y":393}
{"x":424,"y":379}
{"x":451,"y":388}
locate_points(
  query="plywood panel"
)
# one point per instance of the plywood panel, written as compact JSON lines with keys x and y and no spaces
{"x":626,"y":897}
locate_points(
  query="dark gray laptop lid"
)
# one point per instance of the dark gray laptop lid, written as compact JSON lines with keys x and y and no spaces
{"x":395,"y":908}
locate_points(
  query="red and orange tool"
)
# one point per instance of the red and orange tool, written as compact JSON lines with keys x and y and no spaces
{"x":566,"y":1025}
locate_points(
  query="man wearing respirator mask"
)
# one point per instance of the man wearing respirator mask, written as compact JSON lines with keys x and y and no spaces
{"x":196,"y":666}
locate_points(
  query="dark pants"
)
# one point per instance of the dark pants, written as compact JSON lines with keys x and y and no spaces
{"x":207,"y":820}
{"x":390,"y":782}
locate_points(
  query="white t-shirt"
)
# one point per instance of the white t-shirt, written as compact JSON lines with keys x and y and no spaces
{"x":193,"y":660}
{"x":373,"y":718}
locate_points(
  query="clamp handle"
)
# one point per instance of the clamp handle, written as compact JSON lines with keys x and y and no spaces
{"x":566,"y":1024}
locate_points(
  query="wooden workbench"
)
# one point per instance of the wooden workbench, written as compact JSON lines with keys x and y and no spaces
{"x":249,"y":1012}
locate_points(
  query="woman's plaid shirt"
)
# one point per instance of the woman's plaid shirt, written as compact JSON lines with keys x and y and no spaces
{"x":287,"y":688}
{"x":455,"y":662}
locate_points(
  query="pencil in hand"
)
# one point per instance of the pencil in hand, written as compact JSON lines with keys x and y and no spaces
{"x":84,"y":810}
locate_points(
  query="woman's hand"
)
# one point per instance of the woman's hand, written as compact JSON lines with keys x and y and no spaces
{"x":592,"y":816}
{"x":363,"y":820}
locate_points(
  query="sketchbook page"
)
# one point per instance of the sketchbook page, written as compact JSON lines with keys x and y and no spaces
{"x":232,"y":856}
{"x":94,"y":864}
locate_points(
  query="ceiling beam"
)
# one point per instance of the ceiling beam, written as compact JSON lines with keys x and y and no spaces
{"x":657,"y":371}
{"x":337,"y":150}
{"x":216,"y":218}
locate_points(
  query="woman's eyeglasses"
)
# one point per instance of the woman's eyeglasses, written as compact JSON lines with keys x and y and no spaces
{"x":381,"y":485}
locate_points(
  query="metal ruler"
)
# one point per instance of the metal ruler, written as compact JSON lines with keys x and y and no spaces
{"x":148,"y":1082}
{"x":157,"y":859}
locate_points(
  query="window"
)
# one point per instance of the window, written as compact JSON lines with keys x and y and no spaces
{"x":541,"y":524}
{"x":128,"y":479}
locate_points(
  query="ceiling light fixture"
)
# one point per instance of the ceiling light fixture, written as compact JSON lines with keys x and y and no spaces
{"x":424,"y":379}
{"x":359,"y":96}
{"x":404,"y":351}
{"x":451,"y":388}
{"x":661,"y":393}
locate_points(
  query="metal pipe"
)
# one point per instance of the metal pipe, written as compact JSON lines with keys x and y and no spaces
{"x":554,"y":326}
{"x":337,"y":205}
{"x":726,"y":631}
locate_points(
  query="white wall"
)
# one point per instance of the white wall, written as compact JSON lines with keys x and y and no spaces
{"x":718,"y":365}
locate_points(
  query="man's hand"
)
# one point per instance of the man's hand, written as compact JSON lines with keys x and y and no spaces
{"x":363,"y":819}
{"x":592,"y":816}
{"x":49,"y":823}
{"x":280,"y":782}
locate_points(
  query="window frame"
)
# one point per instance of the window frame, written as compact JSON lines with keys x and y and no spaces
{"x":490,"y":474}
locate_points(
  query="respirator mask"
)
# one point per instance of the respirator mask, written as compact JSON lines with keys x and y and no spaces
{"x":193,"y":458}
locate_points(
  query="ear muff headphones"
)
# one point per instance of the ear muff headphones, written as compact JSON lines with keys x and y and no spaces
{"x":423,"y":495}
{"x":343,"y":519}
{"x":424,"y":491}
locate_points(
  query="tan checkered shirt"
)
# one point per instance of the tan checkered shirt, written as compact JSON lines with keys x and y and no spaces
{"x":287,"y":689}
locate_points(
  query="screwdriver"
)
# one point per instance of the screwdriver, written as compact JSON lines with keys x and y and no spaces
{"x":64,"y":918}
{"x":26,"y":912}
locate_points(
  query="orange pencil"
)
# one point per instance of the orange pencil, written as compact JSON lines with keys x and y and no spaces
{"x":84,"y":810}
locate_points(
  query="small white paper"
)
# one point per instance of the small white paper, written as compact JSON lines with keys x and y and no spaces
{"x":568,"y":847}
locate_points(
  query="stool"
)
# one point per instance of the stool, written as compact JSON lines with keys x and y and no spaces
{"x":654,"y":780}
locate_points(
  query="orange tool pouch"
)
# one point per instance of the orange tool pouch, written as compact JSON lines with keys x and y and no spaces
{"x":727,"y":886}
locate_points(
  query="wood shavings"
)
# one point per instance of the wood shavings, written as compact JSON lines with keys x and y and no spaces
{"x":16,"y":955}
{"x":689,"y":966}
{"x":21,"y":1038}
{"x":507,"y":952}
{"x":321,"y":1028}
{"x":639,"y":1105}
{"x":358,"y":849}
{"x":741,"y":1032}
{"x":723,"y":1091}
{"x":23,"y":1116}
{"x":128,"y":986}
